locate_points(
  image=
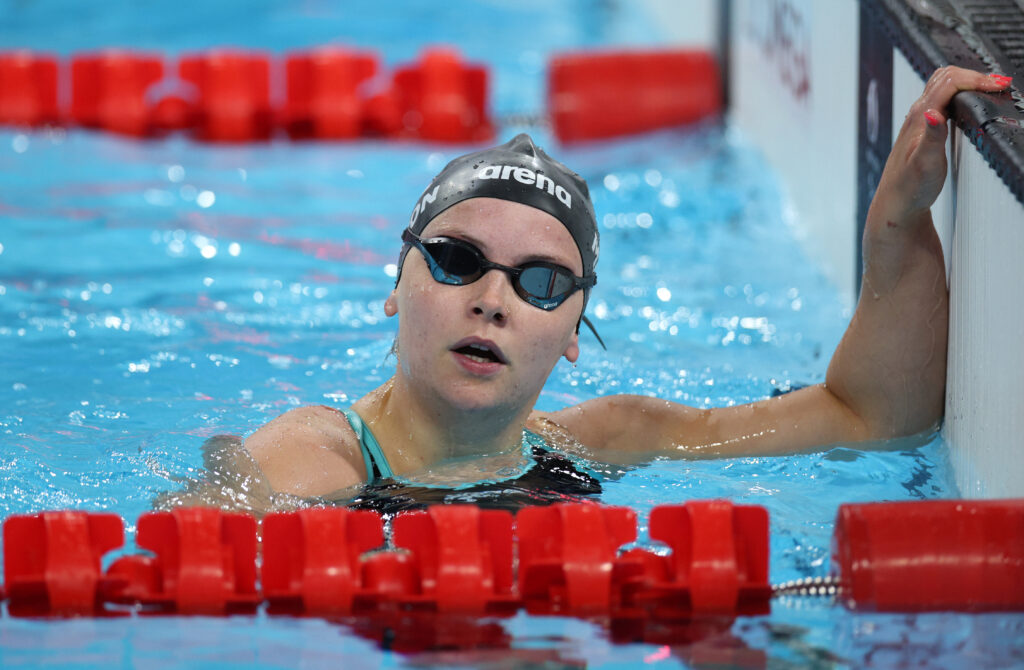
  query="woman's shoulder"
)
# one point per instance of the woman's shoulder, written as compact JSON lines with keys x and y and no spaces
{"x":622,"y":428}
{"x":561,"y":431}
{"x":308,"y":451}
{"x":592,"y":422}
{"x":326,"y":423}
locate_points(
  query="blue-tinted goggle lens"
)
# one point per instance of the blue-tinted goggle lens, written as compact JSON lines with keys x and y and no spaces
{"x":455,"y":262}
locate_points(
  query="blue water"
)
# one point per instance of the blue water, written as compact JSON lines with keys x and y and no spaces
{"x":156,"y":293}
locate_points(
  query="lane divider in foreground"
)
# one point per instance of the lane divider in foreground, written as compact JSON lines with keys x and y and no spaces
{"x":565,"y":559}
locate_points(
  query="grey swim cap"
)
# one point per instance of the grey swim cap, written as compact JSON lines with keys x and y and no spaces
{"x":519,"y":171}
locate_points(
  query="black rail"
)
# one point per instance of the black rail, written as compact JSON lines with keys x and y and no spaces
{"x":982,"y":35}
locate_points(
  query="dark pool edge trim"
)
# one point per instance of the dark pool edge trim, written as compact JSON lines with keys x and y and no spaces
{"x":931,"y":35}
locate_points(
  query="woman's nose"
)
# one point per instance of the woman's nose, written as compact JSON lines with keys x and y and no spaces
{"x":493,"y":296}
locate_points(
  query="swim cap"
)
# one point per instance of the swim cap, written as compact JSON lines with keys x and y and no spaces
{"x":519,"y":171}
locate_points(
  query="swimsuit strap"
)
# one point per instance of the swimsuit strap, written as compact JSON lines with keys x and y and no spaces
{"x":376,"y":464}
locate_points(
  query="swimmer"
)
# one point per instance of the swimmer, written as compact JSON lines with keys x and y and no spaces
{"x":496,"y":267}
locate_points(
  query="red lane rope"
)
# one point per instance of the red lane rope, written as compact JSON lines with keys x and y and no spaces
{"x":454,"y":559}
{"x":460,"y":560}
{"x":224,"y":95}
{"x":334,"y":93}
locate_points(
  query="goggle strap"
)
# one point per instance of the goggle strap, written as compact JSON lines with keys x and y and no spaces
{"x":594,"y":331}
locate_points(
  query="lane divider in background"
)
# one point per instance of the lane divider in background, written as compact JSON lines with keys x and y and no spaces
{"x":600,"y":95}
{"x":334,"y":93}
{"x":566,"y":559}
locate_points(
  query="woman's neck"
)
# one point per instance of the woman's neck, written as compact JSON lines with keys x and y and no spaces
{"x":416,"y":433}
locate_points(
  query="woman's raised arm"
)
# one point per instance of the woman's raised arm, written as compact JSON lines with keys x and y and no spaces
{"x":887,"y":377}
{"x":890,"y":367}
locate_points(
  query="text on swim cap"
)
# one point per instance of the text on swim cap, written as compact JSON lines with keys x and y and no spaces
{"x":527,"y":176}
{"x":520,"y":174}
{"x":427,"y":198}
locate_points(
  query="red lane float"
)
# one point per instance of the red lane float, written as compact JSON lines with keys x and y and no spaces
{"x":600,"y":95}
{"x":28,"y":89}
{"x":719,"y":559}
{"x":323,"y":93}
{"x":567,"y":556}
{"x":440,"y":98}
{"x":204,"y":563}
{"x":931,"y":555}
{"x":311,"y":558}
{"x":52,"y":562}
{"x":464,"y":560}
{"x":108,"y":91}
{"x":233,"y":88}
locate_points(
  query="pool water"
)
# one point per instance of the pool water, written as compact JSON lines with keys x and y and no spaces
{"x":156,"y":293}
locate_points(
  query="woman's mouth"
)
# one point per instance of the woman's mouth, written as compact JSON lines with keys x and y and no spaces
{"x":479,"y":356}
{"x":478,"y":353}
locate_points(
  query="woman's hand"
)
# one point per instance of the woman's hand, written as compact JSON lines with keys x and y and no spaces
{"x":916,"y":168}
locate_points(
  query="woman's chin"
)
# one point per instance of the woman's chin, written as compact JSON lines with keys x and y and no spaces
{"x":483,"y":399}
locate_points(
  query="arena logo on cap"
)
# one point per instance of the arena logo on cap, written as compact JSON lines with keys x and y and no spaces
{"x":427,"y":198}
{"x":527,"y":176}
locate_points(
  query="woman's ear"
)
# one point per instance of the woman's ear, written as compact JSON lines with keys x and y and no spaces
{"x":391,"y":304}
{"x":572,"y":351}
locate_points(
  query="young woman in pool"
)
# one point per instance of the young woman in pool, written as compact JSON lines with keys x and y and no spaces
{"x":496,"y":267}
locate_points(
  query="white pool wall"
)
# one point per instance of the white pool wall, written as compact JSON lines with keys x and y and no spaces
{"x":776,"y":45}
{"x":808,"y":133}
{"x":985,"y":379}
{"x":793,"y":91}
{"x":981,"y":226}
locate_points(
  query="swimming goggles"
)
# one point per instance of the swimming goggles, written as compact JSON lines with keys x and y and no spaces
{"x":457,"y":263}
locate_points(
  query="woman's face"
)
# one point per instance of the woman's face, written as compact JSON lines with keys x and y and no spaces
{"x":443,"y":328}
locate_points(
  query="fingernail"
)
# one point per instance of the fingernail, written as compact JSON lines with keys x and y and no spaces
{"x":933,"y":120}
{"x":1002,"y":80}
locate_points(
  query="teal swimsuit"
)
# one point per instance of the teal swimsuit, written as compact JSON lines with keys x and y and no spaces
{"x":550,"y":478}
{"x":376,"y":465}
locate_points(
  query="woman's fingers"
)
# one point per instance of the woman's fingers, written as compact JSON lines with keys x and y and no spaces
{"x":950,"y":80}
{"x":934,"y":118}
{"x":932,"y":106}
{"x":932,"y":145}
{"x":931,"y":150}
{"x":997,"y":81}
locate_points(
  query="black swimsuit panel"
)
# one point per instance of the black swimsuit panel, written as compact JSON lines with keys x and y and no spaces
{"x":552,"y":478}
